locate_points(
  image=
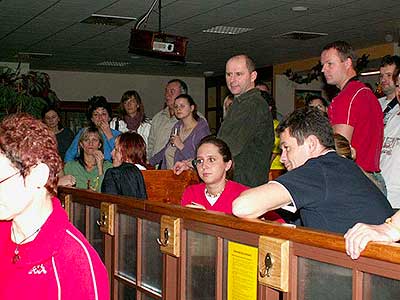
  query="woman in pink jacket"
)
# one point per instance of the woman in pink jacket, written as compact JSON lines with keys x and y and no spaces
{"x":214,"y":165}
{"x":42,"y":255}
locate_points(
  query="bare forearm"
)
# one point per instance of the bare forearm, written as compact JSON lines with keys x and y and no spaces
{"x":257,"y":201}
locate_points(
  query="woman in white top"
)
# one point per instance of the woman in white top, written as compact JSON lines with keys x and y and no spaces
{"x":132,"y":116}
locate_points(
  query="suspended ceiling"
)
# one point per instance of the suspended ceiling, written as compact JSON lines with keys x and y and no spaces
{"x":55,"y":28}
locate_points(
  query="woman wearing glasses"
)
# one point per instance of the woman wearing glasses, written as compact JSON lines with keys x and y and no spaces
{"x":214,"y":165}
{"x":42,"y":255}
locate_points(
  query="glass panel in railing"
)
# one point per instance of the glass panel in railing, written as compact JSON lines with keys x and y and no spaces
{"x":127,"y":237}
{"x":79,"y":217}
{"x":152,"y":262}
{"x":126,"y":292}
{"x":146,"y":297}
{"x":380,"y":288}
{"x":318,"y":280}
{"x":96,"y":237}
{"x":200,"y":268}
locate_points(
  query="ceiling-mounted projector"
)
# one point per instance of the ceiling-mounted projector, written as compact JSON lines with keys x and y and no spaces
{"x":158,"y":44}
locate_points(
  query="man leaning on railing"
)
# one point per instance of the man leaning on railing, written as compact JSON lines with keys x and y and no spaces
{"x":358,"y":236}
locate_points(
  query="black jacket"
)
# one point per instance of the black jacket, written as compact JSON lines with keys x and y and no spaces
{"x":125,"y":180}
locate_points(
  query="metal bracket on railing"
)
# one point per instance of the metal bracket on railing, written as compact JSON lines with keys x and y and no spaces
{"x":268,"y":263}
{"x":103,"y":219}
{"x":164,"y":242}
{"x":170,"y":236}
{"x":106,"y":221}
{"x":273,"y":262}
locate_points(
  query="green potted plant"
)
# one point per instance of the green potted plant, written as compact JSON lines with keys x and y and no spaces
{"x":25,"y":92}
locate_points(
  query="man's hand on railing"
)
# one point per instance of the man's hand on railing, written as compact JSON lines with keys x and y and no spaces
{"x":361,"y":234}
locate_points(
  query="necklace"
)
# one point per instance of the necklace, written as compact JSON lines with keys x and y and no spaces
{"x":17,"y":257}
{"x":213,"y":195}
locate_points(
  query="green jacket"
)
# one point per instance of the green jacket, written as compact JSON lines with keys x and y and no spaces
{"x":82,"y":176}
{"x":249,"y":132}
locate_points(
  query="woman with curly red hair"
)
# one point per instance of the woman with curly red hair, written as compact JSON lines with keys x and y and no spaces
{"x":40,"y":250}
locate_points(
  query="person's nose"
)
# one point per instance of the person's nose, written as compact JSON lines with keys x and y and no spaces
{"x":283,"y":157}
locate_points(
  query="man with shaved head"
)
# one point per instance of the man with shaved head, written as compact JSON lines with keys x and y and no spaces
{"x":248,"y":126}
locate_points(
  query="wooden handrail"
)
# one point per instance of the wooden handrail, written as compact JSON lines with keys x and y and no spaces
{"x":316,"y":238}
{"x":165,"y":186}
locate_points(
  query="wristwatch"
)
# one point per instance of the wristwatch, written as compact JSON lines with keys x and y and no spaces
{"x":395,"y":232}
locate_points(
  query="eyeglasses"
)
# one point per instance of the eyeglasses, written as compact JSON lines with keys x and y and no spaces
{"x":200,"y":162}
{"x":9,"y":177}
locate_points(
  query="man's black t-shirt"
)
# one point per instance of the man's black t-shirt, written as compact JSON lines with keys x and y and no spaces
{"x":332,"y":193}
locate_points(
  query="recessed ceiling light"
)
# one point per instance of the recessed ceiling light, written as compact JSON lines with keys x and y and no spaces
{"x":113,"y":63}
{"x":227,"y":30}
{"x":193,"y":63}
{"x":299,"y":35}
{"x":299,"y":8}
{"x":108,"y":20}
{"x":32,"y":55}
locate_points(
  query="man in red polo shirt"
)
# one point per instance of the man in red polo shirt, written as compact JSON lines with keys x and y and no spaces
{"x":355,"y":112}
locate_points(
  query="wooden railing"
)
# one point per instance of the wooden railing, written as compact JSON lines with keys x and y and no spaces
{"x":316,"y":263}
{"x":157,"y":181}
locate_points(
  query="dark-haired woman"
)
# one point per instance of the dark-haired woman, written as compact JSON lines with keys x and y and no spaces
{"x":214,"y":165}
{"x":98,"y":114}
{"x":132,"y":116}
{"x":64,"y":135}
{"x":185,"y":135}
{"x":129,"y":157}
{"x":89,"y":167}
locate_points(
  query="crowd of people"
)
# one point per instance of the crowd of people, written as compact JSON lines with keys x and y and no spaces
{"x":338,"y":156}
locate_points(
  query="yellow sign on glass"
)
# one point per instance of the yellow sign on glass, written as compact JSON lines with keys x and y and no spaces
{"x":242,"y":272}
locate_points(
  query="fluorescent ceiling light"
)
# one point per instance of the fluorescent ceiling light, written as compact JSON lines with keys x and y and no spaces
{"x":369,"y":73}
{"x":227,"y":30}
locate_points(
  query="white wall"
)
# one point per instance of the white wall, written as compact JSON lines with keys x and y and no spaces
{"x":79,"y":86}
{"x":24,"y":67}
{"x":284,"y":90}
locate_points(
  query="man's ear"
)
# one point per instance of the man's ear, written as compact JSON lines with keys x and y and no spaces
{"x":348,"y":63}
{"x":38,"y":176}
{"x":312,"y":142}
{"x":253,"y":76}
